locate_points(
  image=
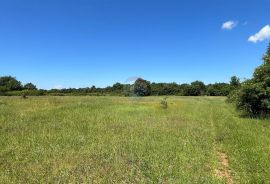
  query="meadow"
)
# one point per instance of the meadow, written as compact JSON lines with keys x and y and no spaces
{"x":130,"y":140}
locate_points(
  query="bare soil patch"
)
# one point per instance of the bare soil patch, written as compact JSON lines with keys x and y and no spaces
{"x":224,"y":171}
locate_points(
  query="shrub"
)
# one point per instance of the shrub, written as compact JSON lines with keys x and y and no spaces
{"x":253,"y":97}
{"x":164,"y":103}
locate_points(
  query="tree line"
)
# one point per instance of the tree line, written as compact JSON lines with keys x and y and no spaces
{"x":10,"y":86}
{"x":252,"y":97}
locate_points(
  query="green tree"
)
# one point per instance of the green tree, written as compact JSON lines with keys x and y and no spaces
{"x":118,"y":87}
{"x":142,"y":87}
{"x":30,"y":86}
{"x":10,"y":83}
{"x":196,"y":88}
{"x":254,"y":95}
{"x":235,"y":82}
{"x":218,"y":89}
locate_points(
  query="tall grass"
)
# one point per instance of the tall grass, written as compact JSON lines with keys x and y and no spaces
{"x":122,"y":140}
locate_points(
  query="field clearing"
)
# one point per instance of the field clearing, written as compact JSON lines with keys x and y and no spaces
{"x":130,"y":140}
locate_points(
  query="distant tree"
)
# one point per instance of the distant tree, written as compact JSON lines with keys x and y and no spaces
{"x":93,"y":89}
{"x":235,"y":82}
{"x":30,"y":86}
{"x":254,"y":95}
{"x":156,"y":88}
{"x":218,"y":89}
{"x":142,"y":87}
{"x":190,"y":91}
{"x":10,"y":83}
{"x":199,"y":86}
{"x":196,"y":88}
{"x":165,"y":89}
{"x":117,"y":87}
{"x":171,"y":89}
{"x":184,"y":89}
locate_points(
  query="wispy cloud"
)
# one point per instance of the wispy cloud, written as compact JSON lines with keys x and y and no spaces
{"x":262,"y":35}
{"x":229,"y":25}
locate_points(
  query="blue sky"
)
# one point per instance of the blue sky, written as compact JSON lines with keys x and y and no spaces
{"x":79,"y":43}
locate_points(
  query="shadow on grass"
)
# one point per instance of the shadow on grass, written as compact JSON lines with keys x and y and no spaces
{"x":254,"y":116}
{"x":247,"y":115}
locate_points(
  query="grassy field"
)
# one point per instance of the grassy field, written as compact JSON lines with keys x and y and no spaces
{"x":128,"y":140}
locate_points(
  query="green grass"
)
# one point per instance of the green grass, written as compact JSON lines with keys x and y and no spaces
{"x":126,"y":140}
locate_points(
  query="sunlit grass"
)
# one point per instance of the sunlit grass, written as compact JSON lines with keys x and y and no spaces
{"x":126,"y":140}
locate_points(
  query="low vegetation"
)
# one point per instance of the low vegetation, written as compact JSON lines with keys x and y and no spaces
{"x":127,"y":140}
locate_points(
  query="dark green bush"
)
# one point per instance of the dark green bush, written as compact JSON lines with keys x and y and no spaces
{"x":253,"y":97}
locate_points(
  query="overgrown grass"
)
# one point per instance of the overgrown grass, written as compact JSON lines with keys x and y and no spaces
{"x":125,"y":140}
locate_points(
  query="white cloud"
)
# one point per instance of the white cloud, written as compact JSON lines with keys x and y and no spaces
{"x":229,"y":25}
{"x":262,"y":35}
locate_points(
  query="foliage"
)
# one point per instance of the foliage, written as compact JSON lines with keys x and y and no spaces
{"x":253,"y":97}
{"x":218,"y":89}
{"x":196,"y":88}
{"x":142,"y":87}
{"x":161,"y":89}
{"x":30,"y":86}
{"x":235,"y":82}
{"x":9,"y":83}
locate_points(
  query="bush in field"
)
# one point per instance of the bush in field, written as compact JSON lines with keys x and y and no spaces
{"x":142,"y":87}
{"x":253,"y":97}
{"x":164,"y":103}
